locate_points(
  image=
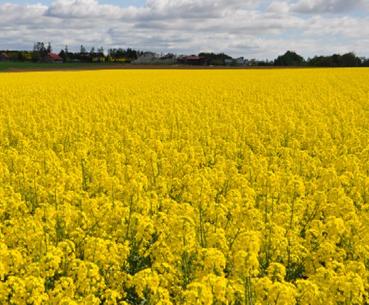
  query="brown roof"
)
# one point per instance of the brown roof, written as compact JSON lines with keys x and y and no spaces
{"x":54,"y":56}
{"x":193,"y":57}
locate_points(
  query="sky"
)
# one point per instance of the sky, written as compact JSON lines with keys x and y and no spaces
{"x":261,"y":29}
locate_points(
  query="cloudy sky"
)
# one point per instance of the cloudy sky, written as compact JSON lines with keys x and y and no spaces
{"x":252,"y":28}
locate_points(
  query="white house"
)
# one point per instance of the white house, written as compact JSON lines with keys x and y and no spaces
{"x":146,"y":58}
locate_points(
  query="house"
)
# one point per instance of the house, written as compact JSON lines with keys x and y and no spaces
{"x":52,"y":57}
{"x":168,"y":59}
{"x":146,"y":58}
{"x":235,"y":61}
{"x":193,"y":60}
{"x":240,"y":61}
{"x":4,"y":57}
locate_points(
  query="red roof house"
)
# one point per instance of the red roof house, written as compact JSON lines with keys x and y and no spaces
{"x":52,"y":57}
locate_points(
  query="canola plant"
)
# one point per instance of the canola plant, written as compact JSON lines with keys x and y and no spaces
{"x":184,"y":187}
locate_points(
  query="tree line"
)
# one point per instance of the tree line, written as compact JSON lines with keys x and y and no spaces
{"x":336,"y":60}
{"x":41,"y":51}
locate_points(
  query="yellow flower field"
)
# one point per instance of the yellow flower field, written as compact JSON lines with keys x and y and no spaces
{"x":188,"y":187}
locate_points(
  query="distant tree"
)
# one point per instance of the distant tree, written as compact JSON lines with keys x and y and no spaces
{"x":215,"y":59}
{"x":365,"y":62}
{"x":92,"y":51}
{"x":49,"y":48}
{"x":39,"y":51}
{"x":119,"y":54}
{"x":252,"y":62}
{"x":265,"y":63}
{"x":320,"y":61}
{"x":65,"y":54}
{"x":109,"y":58}
{"x":21,"y":56}
{"x":38,"y":46}
{"x":336,"y":60}
{"x":83,"y":50}
{"x":289,"y":58}
{"x":131,"y":54}
{"x":350,"y":60}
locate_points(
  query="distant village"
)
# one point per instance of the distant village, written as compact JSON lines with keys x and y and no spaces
{"x":43,"y":53}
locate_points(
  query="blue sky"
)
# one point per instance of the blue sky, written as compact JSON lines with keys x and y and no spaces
{"x":251,"y":28}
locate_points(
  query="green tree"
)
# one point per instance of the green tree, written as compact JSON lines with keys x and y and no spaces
{"x":289,"y":58}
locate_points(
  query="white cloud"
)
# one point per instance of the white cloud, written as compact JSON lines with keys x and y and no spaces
{"x":340,"y":26}
{"x":153,"y":9}
{"x":252,"y":28}
{"x":195,"y":8}
{"x":13,"y":14}
{"x":83,"y":9}
{"x":279,"y":7}
{"x":328,"y":6}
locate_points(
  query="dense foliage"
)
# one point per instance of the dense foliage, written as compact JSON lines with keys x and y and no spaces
{"x":289,"y":59}
{"x":184,"y":187}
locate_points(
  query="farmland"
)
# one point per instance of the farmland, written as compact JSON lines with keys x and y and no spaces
{"x":184,"y":187}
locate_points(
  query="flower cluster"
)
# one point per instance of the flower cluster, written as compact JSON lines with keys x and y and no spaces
{"x":184,"y":187}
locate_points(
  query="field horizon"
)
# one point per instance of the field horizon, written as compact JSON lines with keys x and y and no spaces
{"x":12,"y":67}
